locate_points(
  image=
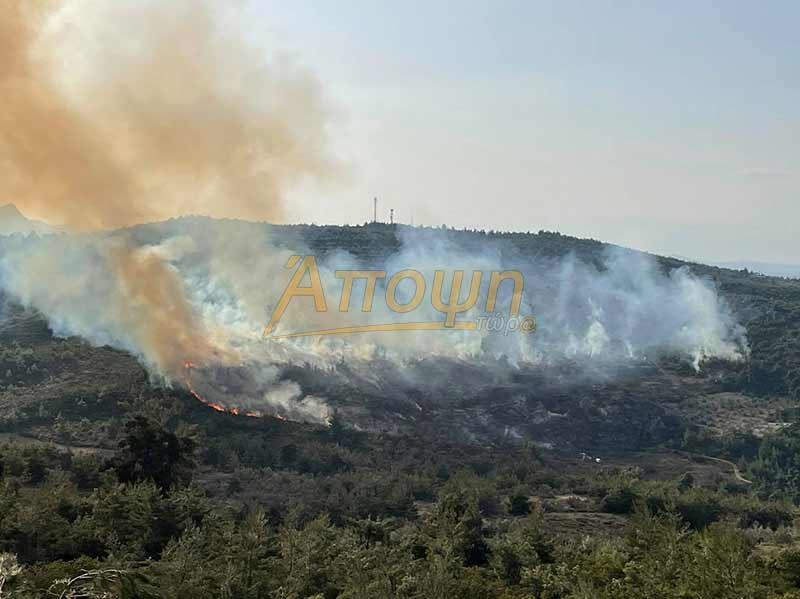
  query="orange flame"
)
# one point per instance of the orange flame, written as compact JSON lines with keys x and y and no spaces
{"x":188,"y":365}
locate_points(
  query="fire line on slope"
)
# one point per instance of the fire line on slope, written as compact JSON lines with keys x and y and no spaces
{"x":188,"y":366}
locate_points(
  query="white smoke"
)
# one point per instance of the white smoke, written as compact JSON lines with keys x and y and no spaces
{"x":630,"y":308}
{"x":233,"y":273}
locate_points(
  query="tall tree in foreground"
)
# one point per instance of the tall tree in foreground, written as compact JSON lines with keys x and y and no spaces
{"x":149,"y":452}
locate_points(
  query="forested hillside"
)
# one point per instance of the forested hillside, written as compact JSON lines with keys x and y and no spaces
{"x":660,"y":482}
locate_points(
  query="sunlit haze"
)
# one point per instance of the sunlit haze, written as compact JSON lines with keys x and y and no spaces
{"x":671,"y":127}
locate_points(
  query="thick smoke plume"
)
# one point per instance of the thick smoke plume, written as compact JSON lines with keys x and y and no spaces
{"x":120,"y":113}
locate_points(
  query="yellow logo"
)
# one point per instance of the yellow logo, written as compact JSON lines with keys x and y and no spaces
{"x":450,"y":307}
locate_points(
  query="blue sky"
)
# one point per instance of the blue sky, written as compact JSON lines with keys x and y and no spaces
{"x":668,"y":126}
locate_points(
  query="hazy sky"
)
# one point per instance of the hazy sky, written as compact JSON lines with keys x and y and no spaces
{"x":668,"y":126}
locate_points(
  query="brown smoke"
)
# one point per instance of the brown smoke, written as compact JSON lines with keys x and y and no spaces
{"x":152,"y":306}
{"x":115,"y":114}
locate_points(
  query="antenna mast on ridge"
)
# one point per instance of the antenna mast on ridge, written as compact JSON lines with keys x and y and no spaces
{"x":375,"y":210}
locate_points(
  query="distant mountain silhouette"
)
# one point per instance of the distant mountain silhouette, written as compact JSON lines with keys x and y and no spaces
{"x":13,"y":221}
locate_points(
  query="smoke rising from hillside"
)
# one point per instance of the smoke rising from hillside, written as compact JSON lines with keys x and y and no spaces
{"x":116,"y":114}
{"x":120,"y":113}
{"x":221,"y":279}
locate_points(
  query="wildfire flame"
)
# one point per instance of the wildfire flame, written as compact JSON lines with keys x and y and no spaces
{"x":189,"y":365}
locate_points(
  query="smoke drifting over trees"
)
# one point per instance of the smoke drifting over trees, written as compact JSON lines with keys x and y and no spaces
{"x":116,"y":114}
{"x":623,"y":310}
{"x":120,"y":114}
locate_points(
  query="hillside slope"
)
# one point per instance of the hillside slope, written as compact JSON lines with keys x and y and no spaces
{"x":645,"y":403}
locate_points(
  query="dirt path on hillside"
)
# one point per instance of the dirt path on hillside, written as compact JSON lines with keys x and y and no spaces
{"x":736,"y":472}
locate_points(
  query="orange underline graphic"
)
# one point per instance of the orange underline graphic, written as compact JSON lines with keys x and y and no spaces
{"x":389,"y":326}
